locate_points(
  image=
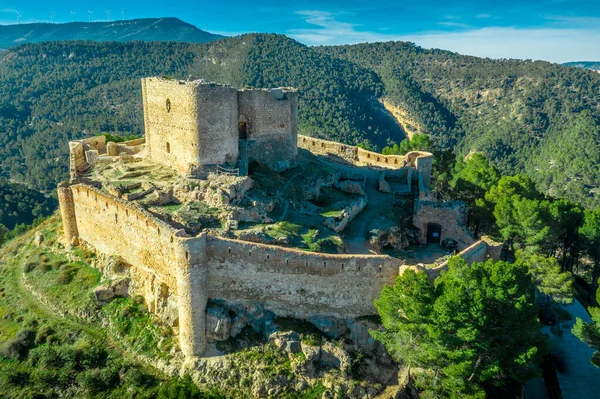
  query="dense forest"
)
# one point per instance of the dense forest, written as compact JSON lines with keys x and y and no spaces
{"x":21,"y":205}
{"x":536,"y":118}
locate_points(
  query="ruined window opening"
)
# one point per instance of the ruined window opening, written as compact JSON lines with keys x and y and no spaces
{"x":168,"y":148}
{"x":243,"y":130}
{"x":379,"y":267}
{"x":267,"y":257}
{"x":324,"y":265}
{"x":229,"y":249}
{"x":106,"y":205}
{"x":158,"y":230}
{"x":249,"y":253}
{"x":306,"y":263}
{"x":323,"y":145}
{"x":359,"y":268}
{"x":168,"y":105}
{"x":171,"y":239}
{"x":146,"y":223}
{"x":287,"y":261}
{"x":187,"y":255}
{"x":342,"y":266}
{"x":395,"y":161}
{"x":116,"y":218}
{"x":126,"y":212}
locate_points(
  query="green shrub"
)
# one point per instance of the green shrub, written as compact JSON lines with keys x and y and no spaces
{"x":177,"y":388}
{"x":29,"y":266}
{"x":67,"y":273}
{"x":18,"y":347}
{"x":43,"y":333}
{"x":45,"y":267}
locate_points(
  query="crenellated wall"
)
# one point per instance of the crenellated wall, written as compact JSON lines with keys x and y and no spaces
{"x":297,"y":283}
{"x":479,"y":251}
{"x":287,"y":281}
{"x":418,"y":160}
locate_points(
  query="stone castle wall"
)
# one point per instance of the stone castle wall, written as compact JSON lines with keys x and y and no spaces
{"x":189,"y":271}
{"x":271,"y":117}
{"x":479,"y":251}
{"x":188,"y":125}
{"x":297,"y":283}
{"x":452,"y":216}
{"x":194,"y":124}
{"x":419,"y":160}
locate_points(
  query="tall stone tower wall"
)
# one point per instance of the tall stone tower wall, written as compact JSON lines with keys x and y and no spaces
{"x":271,"y":122}
{"x":190,"y":124}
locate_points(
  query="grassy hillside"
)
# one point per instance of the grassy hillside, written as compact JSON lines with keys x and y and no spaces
{"x":519,"y":113}
{"x":147,"y":29}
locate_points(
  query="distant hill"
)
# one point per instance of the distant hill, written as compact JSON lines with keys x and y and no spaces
{"x":147,"y":29}
{"x":595,"y":65}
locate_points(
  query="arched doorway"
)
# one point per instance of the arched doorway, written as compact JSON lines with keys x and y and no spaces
{"x":434,"y":233}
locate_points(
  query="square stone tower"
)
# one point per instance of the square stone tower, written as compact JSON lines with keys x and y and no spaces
{"x":193,"y":124}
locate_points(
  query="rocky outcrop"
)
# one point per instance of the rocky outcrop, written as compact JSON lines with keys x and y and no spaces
{"x":117,"y":288}
{"x":340,"y":222}
{"x":393,"y":237}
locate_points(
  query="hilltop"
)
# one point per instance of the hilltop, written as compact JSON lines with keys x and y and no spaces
{"x":146,"y":29}
{"x":594,"y":65}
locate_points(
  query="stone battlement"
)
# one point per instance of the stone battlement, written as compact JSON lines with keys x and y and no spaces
{"x":190,"y":270}
{"x":195,"y":124}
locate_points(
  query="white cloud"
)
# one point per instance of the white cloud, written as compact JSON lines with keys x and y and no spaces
{"x":551,"y":44}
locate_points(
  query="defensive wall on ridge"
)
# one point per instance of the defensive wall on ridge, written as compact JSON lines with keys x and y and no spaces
{"x":419,"y":160}
{"x":190,"y":270}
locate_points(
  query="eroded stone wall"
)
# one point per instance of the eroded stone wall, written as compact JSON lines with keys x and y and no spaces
{"x":271,"y":122}
{"x":190,"y":124}
{"x":451,"y":216}
{"x":418,"y":160}
{"x":296,"y":283}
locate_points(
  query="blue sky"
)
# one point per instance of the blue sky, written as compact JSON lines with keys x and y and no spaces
{"x":553,"y":30}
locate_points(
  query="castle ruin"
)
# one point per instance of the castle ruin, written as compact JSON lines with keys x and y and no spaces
{"x":193,"y":128}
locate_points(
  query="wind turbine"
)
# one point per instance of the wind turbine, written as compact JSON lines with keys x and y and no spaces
{"x":108,"y":13}
{"x":72,"y":16}
{"x":19,"y":17}
{"x":90,"y":15}
{"x":52,"y":17}
{"x":123,"y":14}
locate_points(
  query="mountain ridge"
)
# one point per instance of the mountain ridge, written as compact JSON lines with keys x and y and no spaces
{"x":146,"y":29}
{"x":593,"y":65}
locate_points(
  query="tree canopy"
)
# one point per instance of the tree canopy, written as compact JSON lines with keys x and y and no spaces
{"x":476,"y":328}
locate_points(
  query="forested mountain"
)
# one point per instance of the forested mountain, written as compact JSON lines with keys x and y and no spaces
{"x":533,"y":117}
{"x":147,"y":29}
{"x":595,"y":65}
{"x":538,"y":118}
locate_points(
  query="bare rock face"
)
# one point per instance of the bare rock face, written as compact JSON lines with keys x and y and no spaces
{"x":384,"y":186}
{"x":117,"y":288}
{"x":218,"y":324}
{"x":334,"y":356}
{"x":288,"y":341}
{"x":340,"y":222}
{"x":104,"y":293}
{"x":393,"y":237}
{"x":350,"y":186}
{"x":39,"y":238}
